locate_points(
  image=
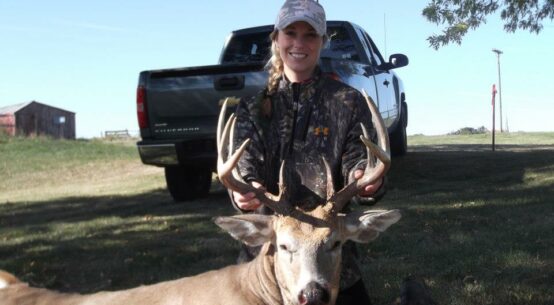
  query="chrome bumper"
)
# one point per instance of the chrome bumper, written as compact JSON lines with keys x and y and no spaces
{"x":158,"y":154}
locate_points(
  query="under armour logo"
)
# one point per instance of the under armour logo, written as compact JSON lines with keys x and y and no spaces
{"x":321,"y":130}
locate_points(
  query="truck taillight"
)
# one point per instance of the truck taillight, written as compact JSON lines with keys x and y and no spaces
{"x":142,"y":113}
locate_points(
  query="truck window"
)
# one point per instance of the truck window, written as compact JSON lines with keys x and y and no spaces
{"x":341,"y":45}
{"x":247,"y":48}
{"x":255,"y":47}
{"x":364,"y":43}
{"x":376,"y":57}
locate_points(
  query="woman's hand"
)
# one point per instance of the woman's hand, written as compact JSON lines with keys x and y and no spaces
{"x":370,"y":189}
{"x":248,"y":201}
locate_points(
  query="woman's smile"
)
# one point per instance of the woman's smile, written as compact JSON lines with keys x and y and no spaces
{"x":298,"y":55}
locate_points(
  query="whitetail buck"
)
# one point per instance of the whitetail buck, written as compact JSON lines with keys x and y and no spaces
{"x":300,"y":258}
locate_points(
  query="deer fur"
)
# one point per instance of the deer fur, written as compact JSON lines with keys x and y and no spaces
{"x":261,"y":281}
{"x":300,"y":259}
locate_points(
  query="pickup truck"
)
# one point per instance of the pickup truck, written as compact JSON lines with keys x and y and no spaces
{"x":177,"y":109}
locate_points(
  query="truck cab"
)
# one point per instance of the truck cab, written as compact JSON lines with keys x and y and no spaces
{"x":178,"y":108}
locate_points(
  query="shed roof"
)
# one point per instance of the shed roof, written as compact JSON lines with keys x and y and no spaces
{"x":15,"y":108}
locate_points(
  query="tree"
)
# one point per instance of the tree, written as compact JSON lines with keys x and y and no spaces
{"x":459,"y":16}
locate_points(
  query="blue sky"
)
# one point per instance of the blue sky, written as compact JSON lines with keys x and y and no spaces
{"x":86,"y":56}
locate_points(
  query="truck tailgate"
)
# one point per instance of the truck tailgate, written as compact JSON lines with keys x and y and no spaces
{"x":186,"y":102}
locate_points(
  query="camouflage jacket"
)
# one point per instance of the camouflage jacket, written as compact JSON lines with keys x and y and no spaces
{"x":303,"y":122}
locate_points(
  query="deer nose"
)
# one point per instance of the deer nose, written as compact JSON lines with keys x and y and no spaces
{"x":314,"y":294}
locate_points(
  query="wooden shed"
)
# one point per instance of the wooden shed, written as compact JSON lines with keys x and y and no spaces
{"x":34,"y":118}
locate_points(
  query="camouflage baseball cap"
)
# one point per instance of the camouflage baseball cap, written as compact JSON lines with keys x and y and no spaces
{"x":309,"y":11}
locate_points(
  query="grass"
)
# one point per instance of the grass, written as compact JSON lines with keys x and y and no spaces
{"x":477,"y":225}
{"x":515,"y":138}
{"x":71,"y":168}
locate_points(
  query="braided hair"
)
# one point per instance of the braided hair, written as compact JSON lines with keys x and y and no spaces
{"x":275,"y":65}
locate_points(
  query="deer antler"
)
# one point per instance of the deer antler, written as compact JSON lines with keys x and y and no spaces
{"x":228,"y":174}
{"x":373,"y":172}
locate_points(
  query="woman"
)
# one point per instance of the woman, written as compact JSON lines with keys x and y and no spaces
{"x":300,"y":116}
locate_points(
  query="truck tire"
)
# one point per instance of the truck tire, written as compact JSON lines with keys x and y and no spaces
{"x":399,"y":137}
{"x":186,"y":183}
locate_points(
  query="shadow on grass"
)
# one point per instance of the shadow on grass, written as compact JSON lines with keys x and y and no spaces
{"x":79,"y":209}
{"x":476,"y":225}
{"x":88,"y":244}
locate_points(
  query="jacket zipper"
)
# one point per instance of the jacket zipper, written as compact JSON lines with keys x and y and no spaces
{"x":295,"y":98}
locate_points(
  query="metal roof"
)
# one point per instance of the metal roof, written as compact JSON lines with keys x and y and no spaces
{"x":13,"y":108}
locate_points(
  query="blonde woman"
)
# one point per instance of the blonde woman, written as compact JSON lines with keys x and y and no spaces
{"x":302,"y":115}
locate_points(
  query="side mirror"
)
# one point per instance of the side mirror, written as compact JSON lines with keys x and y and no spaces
{"x":395,"y":61}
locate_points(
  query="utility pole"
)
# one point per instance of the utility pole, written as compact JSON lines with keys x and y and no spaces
{"x":493,"y":116}
{"x":498,"y":52}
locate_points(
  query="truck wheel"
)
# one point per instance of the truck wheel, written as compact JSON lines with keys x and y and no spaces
{"x":186,"y":183}
{"x":399,"y":138}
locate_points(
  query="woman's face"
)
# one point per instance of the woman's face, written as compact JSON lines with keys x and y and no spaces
{"x":299,"y":46}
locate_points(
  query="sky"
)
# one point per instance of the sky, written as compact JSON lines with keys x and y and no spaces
{"x":85,"y":57}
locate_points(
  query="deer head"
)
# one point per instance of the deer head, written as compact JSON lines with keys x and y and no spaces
{"x":307,"y":244}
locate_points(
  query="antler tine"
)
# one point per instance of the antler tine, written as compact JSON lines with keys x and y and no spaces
{"x":330,"y":186}
{"x":373,"y":172}
{"x":226,"y":168}
{"x":382,"y":134}
{"x":381,"y":154}
{"x":235,"y":170}
{"x":282,"y":186}
{"x":220,"y":121}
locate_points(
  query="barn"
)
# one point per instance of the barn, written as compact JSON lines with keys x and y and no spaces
{"x":34,"y":118}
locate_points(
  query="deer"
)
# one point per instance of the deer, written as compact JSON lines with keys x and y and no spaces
{"x":300,"y":258}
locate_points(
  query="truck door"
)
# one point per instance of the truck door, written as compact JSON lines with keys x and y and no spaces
{"x":383,"y":80}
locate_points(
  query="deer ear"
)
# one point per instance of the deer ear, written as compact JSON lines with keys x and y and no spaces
{"x":251,"y":229}
{"x":365,"y":226}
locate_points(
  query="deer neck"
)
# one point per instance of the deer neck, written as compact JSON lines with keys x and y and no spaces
{"x":259,"y":278}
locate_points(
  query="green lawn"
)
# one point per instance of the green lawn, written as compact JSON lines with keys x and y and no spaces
{"x":41,"y":168}
{"x":477,"y":225}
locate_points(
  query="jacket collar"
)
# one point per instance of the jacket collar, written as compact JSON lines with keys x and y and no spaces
{"x":286,"y":86}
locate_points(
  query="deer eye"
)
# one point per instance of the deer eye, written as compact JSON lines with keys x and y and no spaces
{"x":286,"y":248}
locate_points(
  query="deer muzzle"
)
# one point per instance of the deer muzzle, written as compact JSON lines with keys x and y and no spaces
{"x":314,"y":294}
